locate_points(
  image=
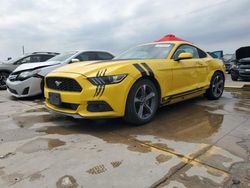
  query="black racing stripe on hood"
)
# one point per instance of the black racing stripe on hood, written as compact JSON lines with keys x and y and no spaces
{"x":243,"y":52}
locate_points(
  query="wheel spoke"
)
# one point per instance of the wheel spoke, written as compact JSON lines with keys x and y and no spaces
{"x":143,"y":90}
{"x":220,"y":82}
{"x":149,"y":96}
{"x":140,"y":112}
{"x":137,"y":100}
{"x":149,"y":109}
{"x":219,"y":90}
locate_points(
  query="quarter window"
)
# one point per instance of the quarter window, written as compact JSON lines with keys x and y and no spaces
{"x":201,"y":53}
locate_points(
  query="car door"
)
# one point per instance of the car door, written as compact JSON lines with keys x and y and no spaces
{"x":184,"y":71}
{"x":202,"y":69}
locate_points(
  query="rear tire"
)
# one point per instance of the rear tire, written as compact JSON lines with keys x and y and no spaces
{"x":234,"y":78}
{"x":142,"y":102}
{"x":3,"y":79}
{"x":216,"y":86}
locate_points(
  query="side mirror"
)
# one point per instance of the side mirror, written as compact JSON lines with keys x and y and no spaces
{"x":74,"y":60}
{"x":184,"y":56}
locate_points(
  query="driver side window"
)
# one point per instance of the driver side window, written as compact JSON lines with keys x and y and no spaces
{"x":186,"y":49}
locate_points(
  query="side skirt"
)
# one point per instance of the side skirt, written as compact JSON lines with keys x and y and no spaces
{"x":182,"y":96}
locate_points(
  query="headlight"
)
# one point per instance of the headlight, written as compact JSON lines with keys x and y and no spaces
{"x":104,"y":80}
{"x":27,"y":74}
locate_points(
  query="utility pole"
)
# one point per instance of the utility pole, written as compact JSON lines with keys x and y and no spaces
{"x":23,"y":49}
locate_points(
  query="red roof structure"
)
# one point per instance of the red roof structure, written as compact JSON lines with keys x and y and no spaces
{"x":170,"y":37}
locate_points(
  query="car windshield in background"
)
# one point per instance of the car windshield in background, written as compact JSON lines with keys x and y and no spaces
{"x":11,"y":61}
{"x":149,"y":51}
{"x":62,"y":57}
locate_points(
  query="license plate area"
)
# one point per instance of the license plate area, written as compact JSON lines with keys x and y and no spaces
{"x":55,"y":99}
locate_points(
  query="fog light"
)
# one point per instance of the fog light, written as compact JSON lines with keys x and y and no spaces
{"x":98,"y":106}
{"x":26,"y":91}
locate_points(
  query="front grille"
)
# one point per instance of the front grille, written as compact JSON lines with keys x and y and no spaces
{"x":68,"y":106}
{"x":63,"y":84}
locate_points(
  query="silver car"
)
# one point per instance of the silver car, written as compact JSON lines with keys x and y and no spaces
{"x":7,"y":67}
{"x":28,"y":79}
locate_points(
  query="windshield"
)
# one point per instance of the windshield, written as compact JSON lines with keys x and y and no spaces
{"x":63,"y":56}
{"x":11,"y":61}
{"x":149,"y":51}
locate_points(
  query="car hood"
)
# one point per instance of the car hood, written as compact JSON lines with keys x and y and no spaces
{"x":243,"y":52}
{"x":31,"y":66}
{"x":91,"y":69}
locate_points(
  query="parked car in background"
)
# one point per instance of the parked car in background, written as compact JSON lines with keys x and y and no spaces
{"x":135,"y":83}
{"x":27,"y":79}
{"x":229,"y":60}
{"x":241,"y":68}
{"x":7,"y":67}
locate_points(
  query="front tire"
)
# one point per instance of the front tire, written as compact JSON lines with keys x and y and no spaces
{"x":142,"y":102}
{"x":3,"y":79}
{"x":216,"y":86}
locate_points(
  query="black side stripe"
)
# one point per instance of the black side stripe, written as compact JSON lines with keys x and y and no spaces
{"x":140,"y":69}
{"x":148,"y":69}
{"x":169,"y":98}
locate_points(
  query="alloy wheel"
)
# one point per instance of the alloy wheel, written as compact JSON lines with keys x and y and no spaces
{"x":218,"y":85}
{"x":144,"y":101}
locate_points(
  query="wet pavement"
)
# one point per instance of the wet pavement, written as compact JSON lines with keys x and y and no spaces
{"x":197,"y":143}
{"x":239,"y":83}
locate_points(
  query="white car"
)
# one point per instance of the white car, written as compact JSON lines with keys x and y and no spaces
{"x":28,"y":79}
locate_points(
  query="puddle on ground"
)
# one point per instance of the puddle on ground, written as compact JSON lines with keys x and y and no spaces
{"x":197,"y":176}
{"x":28,"y":121}
{"x":186,"y":121}
{"x":163,"y":158}
{"x":36,"y":176}
{"x":67,"y":182}
{"x":42,"y":109}
{"x":40,"y":144}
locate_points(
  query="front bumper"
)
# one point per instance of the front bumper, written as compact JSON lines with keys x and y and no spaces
{"x":243,"y":73}
{"x":26,"y":88}
{"x":76,"y":104}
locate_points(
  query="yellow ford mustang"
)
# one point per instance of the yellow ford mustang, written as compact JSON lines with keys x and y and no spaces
{"x":136,"y":83}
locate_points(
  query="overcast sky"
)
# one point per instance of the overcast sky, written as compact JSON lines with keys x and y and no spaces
{"x":115,"y":25}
